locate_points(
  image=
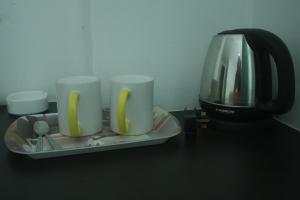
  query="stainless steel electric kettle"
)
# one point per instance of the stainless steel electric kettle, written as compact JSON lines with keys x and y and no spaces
{"x":248,"y":75}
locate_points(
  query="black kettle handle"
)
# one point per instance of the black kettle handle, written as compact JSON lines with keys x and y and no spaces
{"x":266,"y":43}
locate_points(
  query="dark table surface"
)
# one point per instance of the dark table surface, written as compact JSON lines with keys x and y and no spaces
{"x":214,"y":165}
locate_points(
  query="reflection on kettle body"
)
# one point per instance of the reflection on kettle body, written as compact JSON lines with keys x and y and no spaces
{"x":235,"y":96}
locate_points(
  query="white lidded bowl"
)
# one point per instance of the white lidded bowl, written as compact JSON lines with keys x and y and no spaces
{"x":27,"y":102}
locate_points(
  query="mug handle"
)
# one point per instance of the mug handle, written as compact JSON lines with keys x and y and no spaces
{"x":73,"y":114}
{"x":123,"y":123}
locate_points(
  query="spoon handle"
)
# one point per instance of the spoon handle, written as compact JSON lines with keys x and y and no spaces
{"x":39,"y":144}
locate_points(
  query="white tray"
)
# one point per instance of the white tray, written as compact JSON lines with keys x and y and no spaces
{"x":20,"y":138}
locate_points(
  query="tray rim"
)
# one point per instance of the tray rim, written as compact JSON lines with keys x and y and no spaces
{"x":157,"y":140}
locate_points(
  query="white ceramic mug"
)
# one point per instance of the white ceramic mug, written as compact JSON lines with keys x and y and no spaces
{"x":131,"y":104}
{"x":79,"y":105}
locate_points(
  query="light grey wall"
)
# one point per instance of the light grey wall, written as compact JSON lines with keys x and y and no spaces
{"x":43,"y":40}
{"x":283,"y":18}
{"x":166,"y":39}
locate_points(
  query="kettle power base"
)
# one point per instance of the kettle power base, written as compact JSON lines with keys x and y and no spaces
{"x":241,"y":127}
{"x":21,"y":139}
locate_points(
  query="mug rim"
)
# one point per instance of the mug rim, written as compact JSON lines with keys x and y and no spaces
{"x":78,"y":79}
{"x":132,"y":78}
